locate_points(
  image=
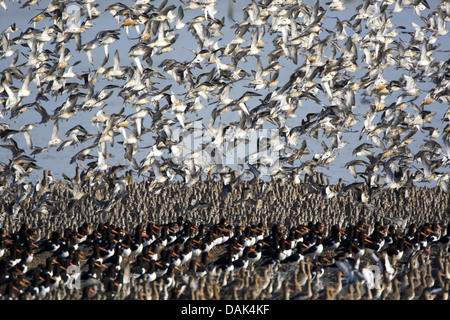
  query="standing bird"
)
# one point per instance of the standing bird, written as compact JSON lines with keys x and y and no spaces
{"x":50,"y":245}
{"x":242,"y":262}
{"x":314,"y":250}
{"x":201,"y":267}
{"x":255,"y":253}
{"x":137,"y":244}
{"x":150,"y":274}
{"x":295,"y":258}
{"x":334,"y":240}
{"x":444,"y":241}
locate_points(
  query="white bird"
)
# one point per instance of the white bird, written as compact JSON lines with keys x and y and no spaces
{"x":116,"y":70}
{"x":54,"y":140}
{"x":258,"y":82}
{"x":13,"y":101}
{"x":101,"y":163}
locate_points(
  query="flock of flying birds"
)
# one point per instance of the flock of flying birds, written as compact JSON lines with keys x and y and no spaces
{"x":345,"y":73}
{"x":292,"y":68}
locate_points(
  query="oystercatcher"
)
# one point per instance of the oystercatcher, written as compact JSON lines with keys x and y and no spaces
{"x":242,"y":262}
{"x":52,"y":244}
{"x":444,"y":240}
{"x":255,"y":253}
{"x":315,"y":250}
{"x":201,"y":267}
{"x":150,"y":274}
{"x":295,"y":258}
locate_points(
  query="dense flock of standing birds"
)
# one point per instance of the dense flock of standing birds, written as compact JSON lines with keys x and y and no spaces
{"x":297,"y":249}
{"x":191,"y":226}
